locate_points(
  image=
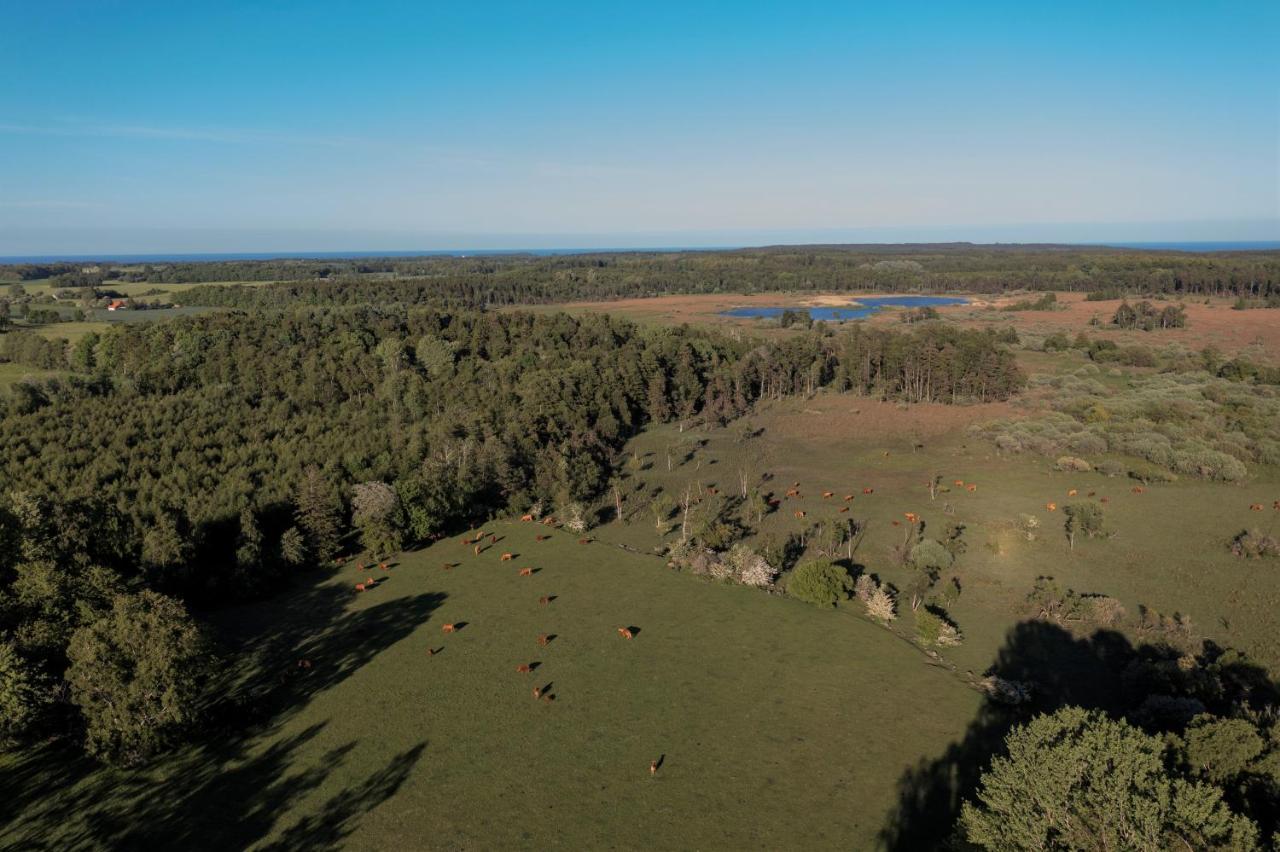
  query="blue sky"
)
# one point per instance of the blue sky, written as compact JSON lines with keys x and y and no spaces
{"x":257,"y":126}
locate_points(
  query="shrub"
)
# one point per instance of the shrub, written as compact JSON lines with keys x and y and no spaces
{"x":1082,"y":518}
{"x":881,"y":606}
{"x":864,"y":587}
{"x":1073,"y":464}
{"x":931,"y":556}
{"x":748,"y":567}
{"x":820,"y":582}
{"x":933,"y":629}
{"x":1254,"y":545}
{"x":137,"y":675}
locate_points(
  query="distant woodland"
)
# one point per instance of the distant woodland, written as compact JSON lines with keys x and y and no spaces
{"x":527,"y":279}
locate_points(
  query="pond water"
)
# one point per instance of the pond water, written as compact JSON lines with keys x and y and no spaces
{"x":859,"y":309}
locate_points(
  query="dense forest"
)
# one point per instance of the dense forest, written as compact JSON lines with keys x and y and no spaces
{"x":527,"y":279}
{"x":205,"y":457}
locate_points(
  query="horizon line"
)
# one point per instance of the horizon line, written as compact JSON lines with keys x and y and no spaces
{"x":1185,"y":246}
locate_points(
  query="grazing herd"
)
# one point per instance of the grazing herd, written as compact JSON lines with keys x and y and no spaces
{"x":540,"y":693}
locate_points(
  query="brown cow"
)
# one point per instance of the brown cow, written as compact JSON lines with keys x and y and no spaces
{"x":1091,"y":493}
{"x":548,"y":698}
{"x":584,"y":541}
{"x":543,"y":639}
{"x":360,"y":567}
{"x":526,"y":572}
{"x":848,"y":497}
{"x":359,"y":587}
{"x":448,"y":628}
{"x":1104,"y":500}
{"x":1072,"y":493}
{"x":368,"y":581}
{"x":792,"y":492}
{"x":971,"y":487}
{"x":476,"y":550}
{"x":526,"y":518}
{"x":541,"y":537}
{"x":827,"y":495}
{"x":304,"y":664}
{"x":625,"y":632}
{"x":959,"y":483}
{"x":1276,"y":505}
{"x":1137,"y":489}
{"x":911,"y":516}
{"x":1255,"y":507}
{"x":507,"y":557}
{"x":524,"y":668}
{"x":548,"y":521}
{"x":868,"y":490}
{"x":896,"y":523}
{"x":712,"y":491}
{"x":544,"y":600}
{"x":537,"y":693}
{"x":1052,"y":507}
{"x":844,"y":509}
{"x":800,"y":514}
{"x":431,"y":652}
{"x":382,"y":566}
{"x":493,"y":538}
{"x":653,"y":767}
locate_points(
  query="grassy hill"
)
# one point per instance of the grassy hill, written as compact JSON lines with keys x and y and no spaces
{"x":777,"y":724}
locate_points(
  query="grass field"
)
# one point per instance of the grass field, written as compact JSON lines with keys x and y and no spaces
{"x":10,"y":374}
{"x":1168,"y":550}
{"x":764,"y":711}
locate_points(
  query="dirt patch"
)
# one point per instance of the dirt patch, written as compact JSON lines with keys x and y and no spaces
{"x":1256,"y":332}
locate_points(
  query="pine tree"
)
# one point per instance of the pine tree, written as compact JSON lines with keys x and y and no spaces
{"x":317,"y":514}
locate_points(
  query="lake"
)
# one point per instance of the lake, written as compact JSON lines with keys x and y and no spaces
{"x":858,"y":309}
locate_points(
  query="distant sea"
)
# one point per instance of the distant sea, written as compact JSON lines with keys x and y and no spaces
{"x":1255,"y":245}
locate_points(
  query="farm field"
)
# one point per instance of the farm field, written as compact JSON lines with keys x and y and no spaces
{"x":762,"y":710}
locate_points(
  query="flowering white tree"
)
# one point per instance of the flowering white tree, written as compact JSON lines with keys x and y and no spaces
{"x":880,"y":605}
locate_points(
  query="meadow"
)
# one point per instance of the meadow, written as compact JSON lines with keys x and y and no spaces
{"x":762,"y":711}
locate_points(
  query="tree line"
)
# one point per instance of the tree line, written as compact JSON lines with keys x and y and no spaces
{"x":528,"y":279}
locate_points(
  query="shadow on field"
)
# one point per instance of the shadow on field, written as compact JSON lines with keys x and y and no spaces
{"x":1103,"y":671}
{"x":210,"y":799}
{"x":229,"y":790}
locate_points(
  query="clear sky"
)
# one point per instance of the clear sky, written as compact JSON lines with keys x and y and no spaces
{"x":277,"y":125}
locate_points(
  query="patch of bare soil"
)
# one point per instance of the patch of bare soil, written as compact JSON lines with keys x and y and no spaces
{"x":1214,"y":324}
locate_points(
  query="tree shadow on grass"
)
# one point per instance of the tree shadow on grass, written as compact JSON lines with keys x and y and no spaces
{"x":242,"y":777}
{"x":1103,"y":671}
{"x":1065,"y":671}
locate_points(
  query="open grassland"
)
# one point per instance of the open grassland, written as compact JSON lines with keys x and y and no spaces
{"x":1168,"y":550}
{"x":762,"y":710}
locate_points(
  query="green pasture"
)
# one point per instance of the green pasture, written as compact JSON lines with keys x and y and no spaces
{"x":764,"y":712}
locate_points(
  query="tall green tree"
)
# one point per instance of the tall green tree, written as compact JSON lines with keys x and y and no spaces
{"x":137,"y":675}
{"x":1077,"y":780}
